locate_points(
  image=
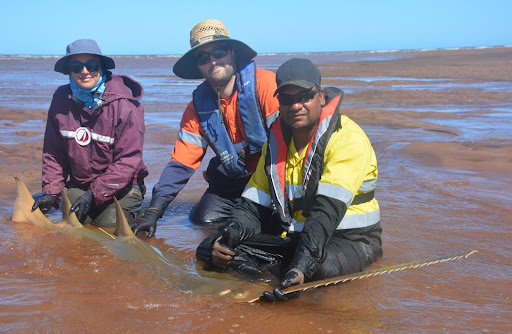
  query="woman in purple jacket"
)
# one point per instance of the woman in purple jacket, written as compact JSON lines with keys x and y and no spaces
{"x":93,"y":139}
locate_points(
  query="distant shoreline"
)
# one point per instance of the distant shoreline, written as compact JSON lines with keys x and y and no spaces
{"x":6,"y":56}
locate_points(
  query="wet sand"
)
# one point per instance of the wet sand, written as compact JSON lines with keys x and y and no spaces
{"x":440,"y":123}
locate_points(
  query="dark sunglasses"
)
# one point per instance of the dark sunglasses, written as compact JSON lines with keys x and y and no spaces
{"x":91,"y":66}
{"x":218,"y":53}
{"x":302,"y":97}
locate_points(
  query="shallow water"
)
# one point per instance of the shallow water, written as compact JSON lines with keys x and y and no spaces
{"x":443,"y":148}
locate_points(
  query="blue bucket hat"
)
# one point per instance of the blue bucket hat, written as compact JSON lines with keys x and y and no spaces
{"x":83,"y":46}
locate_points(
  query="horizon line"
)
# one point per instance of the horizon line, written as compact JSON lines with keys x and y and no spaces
{"x":286,"y":53}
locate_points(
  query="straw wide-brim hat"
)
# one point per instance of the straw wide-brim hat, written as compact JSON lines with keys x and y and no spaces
{"x":203,"y":33}
{"x":83,"y":46}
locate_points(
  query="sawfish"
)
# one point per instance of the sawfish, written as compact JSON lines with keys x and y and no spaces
{"x":126,"y":246}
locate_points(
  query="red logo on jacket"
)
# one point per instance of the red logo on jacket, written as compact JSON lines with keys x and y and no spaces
{"x":83,"y":136}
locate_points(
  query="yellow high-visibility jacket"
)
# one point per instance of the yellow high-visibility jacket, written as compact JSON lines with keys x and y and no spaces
{"x":340,"y":163}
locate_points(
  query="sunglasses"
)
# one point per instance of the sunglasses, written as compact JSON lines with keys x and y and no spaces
{"x":91,"y":66}
{"x":302,"y":97}
{"x":218,"y":53}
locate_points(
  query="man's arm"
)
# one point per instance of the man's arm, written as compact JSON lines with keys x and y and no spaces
{"x":318,"y":229}
{"x":188,"y":152}
{"x":346,"y":160}
{"x":173,"y":179}
{"x":244,"y":223}
{"x":266,"y":86}
{"x":187,"y":155}
{"x":246,"y":218}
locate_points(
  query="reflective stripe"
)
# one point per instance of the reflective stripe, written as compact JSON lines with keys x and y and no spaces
{"x":359,"y":220}
{"x":258,"y":196}
{"x":368,"y":185}
{"x":348,"y":222}
{"x":334,"y":191}
{"x":94,"y":136}
{"x":271,"y":118}
{"x":295,"y":190}
{"x":67,"y":134}
{"x":275,"y":182}
{"x":104,"y":139}
{"x":192,"y":138}
{"x":322,"y":128}
{"x":363,"y":198}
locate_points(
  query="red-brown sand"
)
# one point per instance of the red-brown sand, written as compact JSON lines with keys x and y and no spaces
{"x":444,"y":188}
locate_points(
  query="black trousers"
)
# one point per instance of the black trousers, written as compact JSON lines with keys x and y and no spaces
{"x":213,"y":207}
{"x":222,"y":194}
{"x":266,"y":254}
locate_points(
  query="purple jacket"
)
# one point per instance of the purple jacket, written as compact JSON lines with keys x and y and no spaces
{"x":101,"y":149}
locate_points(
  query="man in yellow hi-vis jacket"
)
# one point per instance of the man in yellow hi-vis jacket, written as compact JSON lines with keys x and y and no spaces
{"x":309,"y":211}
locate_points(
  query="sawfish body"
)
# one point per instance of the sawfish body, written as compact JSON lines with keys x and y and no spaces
{"x":126,"y":246}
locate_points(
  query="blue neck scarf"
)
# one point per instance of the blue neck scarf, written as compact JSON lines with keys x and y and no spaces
{"x":91,"y":98}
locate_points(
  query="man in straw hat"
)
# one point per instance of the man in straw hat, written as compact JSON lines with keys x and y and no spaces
{"x":93,"y":139}
{"x":230,"y":111}
{"x":308,"y":212}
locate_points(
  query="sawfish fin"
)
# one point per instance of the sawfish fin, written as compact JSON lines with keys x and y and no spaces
{"x":68,"y":218}
{"x":22,"y":211}
{"x":122,"y":227}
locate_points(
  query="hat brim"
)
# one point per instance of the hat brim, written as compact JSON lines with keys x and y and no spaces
{"x":186,"y":68}
{"x":61,"y":65}
{"x":300,"y":83}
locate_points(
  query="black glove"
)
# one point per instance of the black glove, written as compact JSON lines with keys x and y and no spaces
{"x":82,"y":206}
{"x":147,"y":222}
{"x":45,"y":203}
{"x":230,"y":237}
{"x":293,"y":277}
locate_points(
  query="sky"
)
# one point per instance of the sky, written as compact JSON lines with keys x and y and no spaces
{"x":160,"y":27}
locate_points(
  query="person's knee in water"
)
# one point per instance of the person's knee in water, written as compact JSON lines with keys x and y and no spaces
{"x":129,"y":199}
{"x":213,"y":207}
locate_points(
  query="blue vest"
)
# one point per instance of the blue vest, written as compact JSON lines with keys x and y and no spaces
{"x":211,"y":120}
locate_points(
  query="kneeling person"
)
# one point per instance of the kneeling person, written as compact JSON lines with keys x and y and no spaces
{"x":93,"y":139}
{"x":230,"y":112}
{"x":309,"y":210}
